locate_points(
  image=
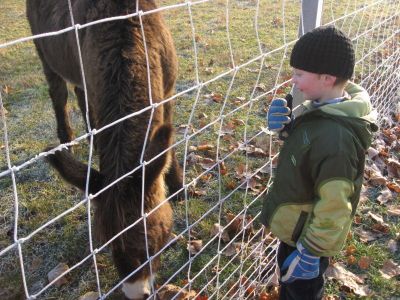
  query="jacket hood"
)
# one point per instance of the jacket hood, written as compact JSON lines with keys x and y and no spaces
{"x":355,"y":112}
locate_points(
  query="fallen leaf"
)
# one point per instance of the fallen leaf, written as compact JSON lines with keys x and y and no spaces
{"x":7,"y":89}
{"x":384,"y":153}
{"x":171,"y":291}
{"x":230,"y":184}
{"x":213,"y":97}
{"x":372,"y":152}
{"x":238,"y":122}
{"x":207,"y":163}
{"x":183,"y":128}
{"x":192,"y":158}
{"x":377,"y":179}
{"x":252,"y":150}
{"x":390,"y":269}
{"x":348,"y":280}
{"x":218,"y":229}
{"x":3,"y":111}
{"x":384,"y":228}
{"x":266,"y":169}
{"x":385,"y":196}
{"x":205,"y":147}
{"x":237,"y":223}
{"x":393,"y":168}
{"x":393,"y":186}
{"x":261,"y":87}
{"x":263,"y":296}
{"x":380,"y":165}
{"x":274,"y":293}
{"x":209,"y":70}
{"x":351,"y":260}
{"x":254,"y":185}
{"x":392,"y":246}
{"x":366,"y":236}
{"x":195,"y":192}
{"x":277,"y":22}
{"x":241,"y":172}
{"x":227,"y":129}
{"x":331,"y":297}
{"x":250,"y":291}
{"x":194,"y":246}
{"x":89,"y":296}
{"x":394,"y":211}
{"x":364,"y":262}
{"x":57,"y":271}
{"x":202,"y":116}
{"x":173,"y":237}
{"x":357,"y":220}
{"x":350,"y":250}
{"x":36,"y":263}
{"x":206,"y":177}
{"x":222,"y":168}
{"x":375,"y":217}
{"x":232,"y":249}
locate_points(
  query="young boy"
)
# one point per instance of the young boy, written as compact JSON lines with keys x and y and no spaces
{"x":320,"y":170}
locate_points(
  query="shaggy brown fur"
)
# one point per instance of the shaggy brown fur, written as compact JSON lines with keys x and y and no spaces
{"x":116,"y":76}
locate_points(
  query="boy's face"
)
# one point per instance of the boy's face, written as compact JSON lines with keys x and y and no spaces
{"x":313,"y":86}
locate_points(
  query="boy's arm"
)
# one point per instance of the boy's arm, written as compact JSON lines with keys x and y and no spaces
{"x":332,"y":215}
{"x":333,"y":172}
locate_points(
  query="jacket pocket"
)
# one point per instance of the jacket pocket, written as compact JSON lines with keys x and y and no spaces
{"x":299,"y":226}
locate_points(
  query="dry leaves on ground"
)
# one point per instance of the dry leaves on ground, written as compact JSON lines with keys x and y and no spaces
{"x":348,"y":280}
{"x":171,"y":291}
{"x":90,"y":296}
{"x":219,"y":230}
{"x":194,"y":246}
{"x":57,"y":271}
{"x":390,"y":269}
{"x":366,"y":235}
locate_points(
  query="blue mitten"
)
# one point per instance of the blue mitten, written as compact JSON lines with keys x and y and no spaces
{"x":301,"y":264}
{"x":278,"y":114}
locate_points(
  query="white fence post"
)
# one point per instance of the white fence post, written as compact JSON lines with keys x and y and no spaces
{"x":310,"y":18}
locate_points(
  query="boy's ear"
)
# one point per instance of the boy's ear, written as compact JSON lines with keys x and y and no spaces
{"x":329,"y":79}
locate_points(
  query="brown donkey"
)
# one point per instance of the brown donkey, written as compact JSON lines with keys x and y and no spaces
{"x":114,"y":61}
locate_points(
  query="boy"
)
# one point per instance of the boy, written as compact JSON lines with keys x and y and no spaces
{"x":320,"y":170}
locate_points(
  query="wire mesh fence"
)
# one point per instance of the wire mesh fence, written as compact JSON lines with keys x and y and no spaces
{"x":233,"y":59}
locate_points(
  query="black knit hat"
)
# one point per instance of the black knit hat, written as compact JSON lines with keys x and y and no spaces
{"x":324,"y":50}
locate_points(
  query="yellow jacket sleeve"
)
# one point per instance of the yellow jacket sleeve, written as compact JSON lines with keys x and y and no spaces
{"x":331,"y":218}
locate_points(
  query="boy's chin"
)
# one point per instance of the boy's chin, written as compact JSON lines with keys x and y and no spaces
{"x":308,"y":97}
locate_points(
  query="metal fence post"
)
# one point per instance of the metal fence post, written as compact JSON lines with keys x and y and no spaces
{"x":310,"y":18}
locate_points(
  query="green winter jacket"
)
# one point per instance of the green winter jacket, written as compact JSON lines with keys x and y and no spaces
{"x":319,"y":174}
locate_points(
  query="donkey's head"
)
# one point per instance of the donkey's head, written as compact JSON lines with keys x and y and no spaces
{"x":120,"y":206}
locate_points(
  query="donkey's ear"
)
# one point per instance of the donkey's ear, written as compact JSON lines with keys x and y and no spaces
{"x":161,"y":140}
{"x":74,"y":171}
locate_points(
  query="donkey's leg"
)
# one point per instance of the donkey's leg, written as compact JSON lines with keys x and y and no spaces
{"x":59,"y":94}
{"x":174,"y":176}
{"x":80,"y":94}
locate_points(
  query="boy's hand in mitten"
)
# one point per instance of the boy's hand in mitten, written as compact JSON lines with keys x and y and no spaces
{"x":278,"y":115}
{"x":301,"y":264}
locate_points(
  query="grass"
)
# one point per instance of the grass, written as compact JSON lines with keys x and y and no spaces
{"x":43,"y":195}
